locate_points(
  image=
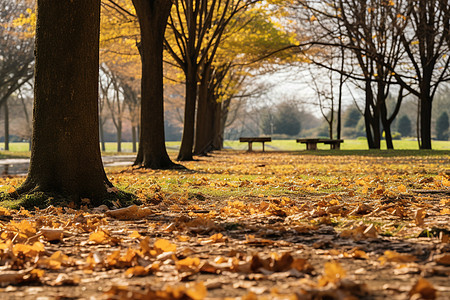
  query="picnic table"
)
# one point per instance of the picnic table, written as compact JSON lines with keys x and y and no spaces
{"x":311,"y":143}
{"x":251,"y":140}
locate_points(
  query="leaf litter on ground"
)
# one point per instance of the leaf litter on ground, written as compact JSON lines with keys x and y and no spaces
{"x":243,"y":226}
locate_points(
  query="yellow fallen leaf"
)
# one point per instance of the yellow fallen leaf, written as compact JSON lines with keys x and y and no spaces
{"x":401,"y":188}
{"x":164,"y":246}
{"x":393,"y":256}
{"x":333,"y":273}
{"x":135,"y":235}
{"x":137,"y":271}
{"x":196,"y":291}
{"x":99,"y":237}
{"x":28,"y":250}
{"x":188,"y":264}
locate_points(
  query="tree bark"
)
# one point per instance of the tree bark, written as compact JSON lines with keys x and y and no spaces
{"x":204,"y":131}
{"x":218,"y":130}
{"x":425,"y":121}
{"x":102,"y":134}
{"x":187,"y":140}
{"x":65,"y":154}
{"x":134,"y":138}
{"x":119,"y":135}
{"x":152,"y":17}
{"x":5,"y":106}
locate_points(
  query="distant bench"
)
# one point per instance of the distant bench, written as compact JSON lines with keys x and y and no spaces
{"x":311,"y":144}
{"x":251,"y":140}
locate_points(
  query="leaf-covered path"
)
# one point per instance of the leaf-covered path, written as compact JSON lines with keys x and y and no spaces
{"x":254,"y":226}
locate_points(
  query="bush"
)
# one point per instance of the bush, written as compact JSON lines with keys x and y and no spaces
{"x":404,"y":126}
{"x":442,"y":127}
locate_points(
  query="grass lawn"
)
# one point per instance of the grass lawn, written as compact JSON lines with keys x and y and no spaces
{"x":22,"y":150}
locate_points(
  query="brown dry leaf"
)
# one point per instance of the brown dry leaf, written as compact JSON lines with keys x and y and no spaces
{"x":283,"y":263}
{"x":215,"y":238}
{"x":443,"y":259}
{"x":55,"y":261}
{"x":419,"y":217}
{"x":360,"y":232}
{"x":11,"y":277}
{"x":66,"y":280}
{"x":424,"y":289}
{"x":52,"y":234}
{"x":393,"y":256}
{"x":137,"y":271}
{"x":302,"y":265}
{"x":132,"y":212}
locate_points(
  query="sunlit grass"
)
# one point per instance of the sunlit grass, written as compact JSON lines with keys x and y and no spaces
{"x":18,"y":150}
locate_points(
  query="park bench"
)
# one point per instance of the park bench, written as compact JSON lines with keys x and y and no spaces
{"x":251,"y":140}
{"x":311,"y":144}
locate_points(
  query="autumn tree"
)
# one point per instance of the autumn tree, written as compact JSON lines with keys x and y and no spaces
{"x":16,"y":49}
{"x":370,"y":31}
{"x":152,"y":17}
{"x":250,"y":47}
{"x":65,"y":154}
{"x":427,"y":42}
{"x":197,"y":29}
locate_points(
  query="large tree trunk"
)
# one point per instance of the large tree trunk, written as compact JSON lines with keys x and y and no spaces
{"x":65,"y":154}
{"x":152,"y":17}
{"x":187,"y":140}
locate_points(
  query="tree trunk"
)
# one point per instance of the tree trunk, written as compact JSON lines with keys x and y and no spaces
{"x":218,"y":130}
{"x":134,"y":138}
{"x":386,"y":128}
{"x":65,"y":154}
{"x":102,"y":134}
{"x":187,"y":140}
{"x":152,"y":151}
{"x":5,"y":106}
{"x":425,"y":121}
{"x":119,"y":135}
{"x":204,"y":131}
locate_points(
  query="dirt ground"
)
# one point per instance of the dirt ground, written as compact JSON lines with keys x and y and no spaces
{"x":244,"y":226}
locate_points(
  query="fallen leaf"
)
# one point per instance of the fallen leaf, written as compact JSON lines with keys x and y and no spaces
{"x":424,"y":289}
{"x":393,"y":256}
{"x":443,"y":259}
{"x":419,"y":217}
{"x":163,"y":245}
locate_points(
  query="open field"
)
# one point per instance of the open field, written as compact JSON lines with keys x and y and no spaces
{"x":274,"y":225}
{"x":22,"y":149}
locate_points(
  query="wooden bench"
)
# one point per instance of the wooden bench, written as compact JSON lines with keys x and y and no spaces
{"x":251,"y":140}
{"x":311,"y":144}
